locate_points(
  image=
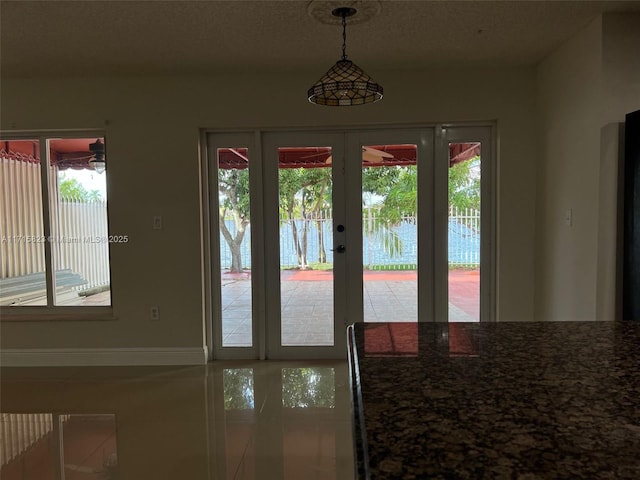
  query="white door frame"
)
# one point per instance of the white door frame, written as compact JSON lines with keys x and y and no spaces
{"x":212,"y":269}
{"x":423,"y":138}
{"x":485,"y":134}
{"x":432,"y":143}
{"x":271,"y":142}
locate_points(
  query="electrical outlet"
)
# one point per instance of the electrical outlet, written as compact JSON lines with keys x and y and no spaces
{"x":155,"y":313}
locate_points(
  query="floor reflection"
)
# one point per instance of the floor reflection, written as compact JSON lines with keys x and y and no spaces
{"x":51,"y":446}
{"x":239,"y":420}
{"x":308,"y":388}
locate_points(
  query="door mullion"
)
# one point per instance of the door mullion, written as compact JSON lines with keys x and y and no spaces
{"x":260,"y":291}
{"x":353,"y":287}
{"x":440,"y":226}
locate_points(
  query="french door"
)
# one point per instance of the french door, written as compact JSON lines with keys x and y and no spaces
{"x":312,"y":231}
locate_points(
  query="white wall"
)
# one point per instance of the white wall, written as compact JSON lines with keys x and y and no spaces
{"x":588,"y":82}
{"x":152,"y":129}
{"x":620,"y":66}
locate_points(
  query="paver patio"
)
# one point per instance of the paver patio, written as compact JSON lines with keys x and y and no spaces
{"x":307,"y":303}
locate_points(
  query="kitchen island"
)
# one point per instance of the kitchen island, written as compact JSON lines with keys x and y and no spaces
{"x":513,"y":400}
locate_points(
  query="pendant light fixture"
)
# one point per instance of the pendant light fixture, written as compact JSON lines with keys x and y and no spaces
{"x":345,"y":83}
{"x":98,"y":162}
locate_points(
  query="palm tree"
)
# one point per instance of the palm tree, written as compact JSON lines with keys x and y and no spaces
{"x":389,"y":195}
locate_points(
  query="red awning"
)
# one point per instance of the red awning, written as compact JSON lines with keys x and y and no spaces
{"x":63,"y":152}
{"x":318,"y":157}
{"x":75,"y":153}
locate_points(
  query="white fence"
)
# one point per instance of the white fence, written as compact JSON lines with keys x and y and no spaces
{"x":81,"y":241}
{"x":463,"y":241}
{"x":21,"y":217}
{"x":79,"y":231}
{"x":463,"y":237}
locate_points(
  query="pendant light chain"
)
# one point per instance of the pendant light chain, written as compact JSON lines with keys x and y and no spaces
{"x":344,"y":36}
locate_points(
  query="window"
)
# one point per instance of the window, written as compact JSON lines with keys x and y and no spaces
{"x":53,"y":223}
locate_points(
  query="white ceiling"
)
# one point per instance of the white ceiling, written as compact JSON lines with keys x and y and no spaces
{"x":180,"y":36}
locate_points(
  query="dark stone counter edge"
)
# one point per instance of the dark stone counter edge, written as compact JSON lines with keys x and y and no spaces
{"x":360,"y":447}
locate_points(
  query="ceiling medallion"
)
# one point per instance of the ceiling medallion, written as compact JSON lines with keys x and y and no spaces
{"x":322,"y":11}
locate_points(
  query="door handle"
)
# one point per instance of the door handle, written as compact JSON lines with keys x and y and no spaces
{"x":339,"y":249}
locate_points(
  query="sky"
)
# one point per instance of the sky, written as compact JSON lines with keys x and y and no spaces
{"x":90,"y":179}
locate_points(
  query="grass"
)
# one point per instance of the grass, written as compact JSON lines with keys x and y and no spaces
{"x":396,"y":267}
{"x":400,"y":266}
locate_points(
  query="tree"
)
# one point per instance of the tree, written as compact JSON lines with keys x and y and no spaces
{"x":302,"y":195}
{"x":401,"y":198}
{"x":322,"y":193}
{"x":233,"y":186}
{"x":70,"y":189}
{"x":399,"y":187}
{"x":391,"y":193}
{"x":464,"y":184}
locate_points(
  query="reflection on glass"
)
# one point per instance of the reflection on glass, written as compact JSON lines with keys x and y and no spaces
{"x":306,"y":259}
{"x":45,"y":446}
{"x":235,"y":246}
{"x":238,"y":388}
{"x":22,"y":263}
{"x":464,"y":232}
{"x":391,"y":340}
{"x":22,"y":433}
{"x":308,"y":387}
{"x":463,"y":341}
{"x":79,"y":228}
{"x":390,"y":233}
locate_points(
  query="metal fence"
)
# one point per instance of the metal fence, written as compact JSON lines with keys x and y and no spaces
{"x":82,"y":241}
{"x":463,"y":241}
{"x":79,"y":229}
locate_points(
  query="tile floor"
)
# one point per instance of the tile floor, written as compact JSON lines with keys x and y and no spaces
{"x":226,"y":420}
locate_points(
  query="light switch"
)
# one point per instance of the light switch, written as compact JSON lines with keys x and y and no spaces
{"x":157,"y":222}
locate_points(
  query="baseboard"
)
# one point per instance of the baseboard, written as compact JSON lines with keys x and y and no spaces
{"x":79,"y":357}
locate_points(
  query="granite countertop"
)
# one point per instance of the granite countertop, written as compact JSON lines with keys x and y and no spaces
{"x":539,"y":400}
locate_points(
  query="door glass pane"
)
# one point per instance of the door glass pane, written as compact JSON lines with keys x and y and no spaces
{"x":464,"y":232}
{"x":235,"y":247}
{"x":79,"y":227}
{"x":22,"y":239}
{"x":390,"y":233}
{"x":306,"y":259}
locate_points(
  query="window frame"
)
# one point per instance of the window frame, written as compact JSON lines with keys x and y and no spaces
{"x":50,"y":311}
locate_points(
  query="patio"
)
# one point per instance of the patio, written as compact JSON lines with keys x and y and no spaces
{"x":390,"y":296}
